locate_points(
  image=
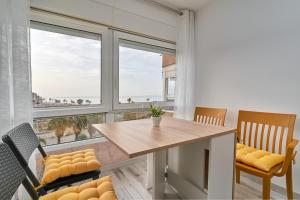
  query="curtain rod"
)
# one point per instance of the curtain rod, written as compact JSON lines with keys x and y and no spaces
{"x":165,"y":6}
{"x":101,"y":24}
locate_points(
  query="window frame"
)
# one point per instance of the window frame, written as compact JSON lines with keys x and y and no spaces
{"x":117,"y":36}
{"x":106,"y":57}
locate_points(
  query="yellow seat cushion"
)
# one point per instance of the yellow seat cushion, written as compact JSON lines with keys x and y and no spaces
{"x":101,"y":189}
{"x":67,"y":164}
{"x":260,"y":159}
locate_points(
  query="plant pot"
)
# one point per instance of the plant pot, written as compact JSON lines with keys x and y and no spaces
{"x":156,"y":121}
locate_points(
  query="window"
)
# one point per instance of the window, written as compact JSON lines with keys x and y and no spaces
{"x":74,"y":86}
{"x":131,"y":115}
{"x":142,"y":70}
{"x":62,"y":129}
{"x":170,"y":88}
{"x":169,"y":75}
{"x":66,"y":66}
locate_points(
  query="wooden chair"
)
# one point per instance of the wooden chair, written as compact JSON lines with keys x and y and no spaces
{"x":211,"y":116}
{"x":273,"y":133}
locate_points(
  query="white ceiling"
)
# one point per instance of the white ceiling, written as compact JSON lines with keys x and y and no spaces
{"x":184,"y":4}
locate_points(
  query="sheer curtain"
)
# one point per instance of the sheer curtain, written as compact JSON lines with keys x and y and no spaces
{"x":15,"y":83}
{"x":186,"y":66}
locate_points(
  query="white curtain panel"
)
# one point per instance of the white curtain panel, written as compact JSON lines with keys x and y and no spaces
{"x":15,"y":82}
{"x":185,"y":66}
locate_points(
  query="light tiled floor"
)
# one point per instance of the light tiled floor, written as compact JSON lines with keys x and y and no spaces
{"x":130,"y":180}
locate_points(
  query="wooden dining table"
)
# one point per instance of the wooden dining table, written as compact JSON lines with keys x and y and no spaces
{"x":196,"y":160}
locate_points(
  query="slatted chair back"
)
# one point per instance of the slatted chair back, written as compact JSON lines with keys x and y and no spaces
{"x":266,"y":131}
{"x":12,"y":174}
{"x":211,"y":116}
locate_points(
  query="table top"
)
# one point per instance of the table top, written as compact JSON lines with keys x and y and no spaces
{"x":138,"y":137}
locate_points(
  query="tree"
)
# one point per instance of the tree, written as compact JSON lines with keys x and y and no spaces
{"x":57,"y":101}
{"x":88,"y":101}
{"x":78,"y":123}
{"x":93,"y":119}
{"x":79,"y":101}
{"x":91,"y":130}
{"x":59,"y":125}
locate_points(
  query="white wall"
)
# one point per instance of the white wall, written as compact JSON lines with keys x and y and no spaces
{"x":248,"y":55}
{"x":135,"y":15}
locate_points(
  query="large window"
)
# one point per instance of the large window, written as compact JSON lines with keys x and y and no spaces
{"x":142,"y":72}
{"x":66,"y":66}
{"x":84,"y":74}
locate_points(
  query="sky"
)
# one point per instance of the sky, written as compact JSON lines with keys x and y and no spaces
{"x":69,"y":66}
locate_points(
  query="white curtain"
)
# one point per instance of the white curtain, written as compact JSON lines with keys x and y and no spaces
{"x":185,"y":66}
{"x":15,"y":82}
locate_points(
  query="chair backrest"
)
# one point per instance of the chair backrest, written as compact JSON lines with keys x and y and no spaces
{"x":266,"y":131}
{"x":11,"y":174}
{"x":212,"y":116}
{"x":22,"y":140}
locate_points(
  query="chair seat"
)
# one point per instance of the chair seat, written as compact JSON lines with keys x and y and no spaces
{"x":73,"y":163}
{"x":259,"y":159}
{"x":101,"y":189}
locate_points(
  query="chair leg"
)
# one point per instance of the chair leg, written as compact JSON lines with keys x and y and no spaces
{"x":289,"y":182}
{"x":237,"y":176}
{"x":266,"y":187}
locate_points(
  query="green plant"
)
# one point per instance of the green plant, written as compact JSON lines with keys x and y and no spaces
{"x":156,"y":111}
{"x":82,"y":137}
{"x":43,"y":140}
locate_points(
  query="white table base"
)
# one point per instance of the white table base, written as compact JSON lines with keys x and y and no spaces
{"x":186,"y":169}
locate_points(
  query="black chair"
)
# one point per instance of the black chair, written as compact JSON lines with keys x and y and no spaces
{"x":12,"y":175}
{"x":23,"y":141}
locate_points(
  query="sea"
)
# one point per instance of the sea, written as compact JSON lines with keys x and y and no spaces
{"x":97,"y":99}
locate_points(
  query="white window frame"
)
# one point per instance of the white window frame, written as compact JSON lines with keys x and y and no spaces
{"x":125,"y":36}
{"x":106,"y":71}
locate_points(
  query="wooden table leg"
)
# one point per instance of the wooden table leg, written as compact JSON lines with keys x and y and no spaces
{"x":221,"y":167}
{"x":159,"y":183}
{"x":149,"y":180}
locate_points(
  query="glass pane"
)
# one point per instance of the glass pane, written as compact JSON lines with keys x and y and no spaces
{"x":66,"y":68}
{"x":130,"y":115}
{"x":141,"y":74}
{"x":171,"y":88}
{"x":56,"y":130}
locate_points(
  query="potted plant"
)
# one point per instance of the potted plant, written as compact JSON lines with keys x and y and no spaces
{"x":156,"y":114}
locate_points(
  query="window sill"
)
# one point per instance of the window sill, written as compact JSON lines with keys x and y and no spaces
{"x":63,"y":111}
{"x":74,"y":144}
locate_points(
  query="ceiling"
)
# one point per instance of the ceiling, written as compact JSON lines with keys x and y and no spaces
{"x":184,"y":4}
